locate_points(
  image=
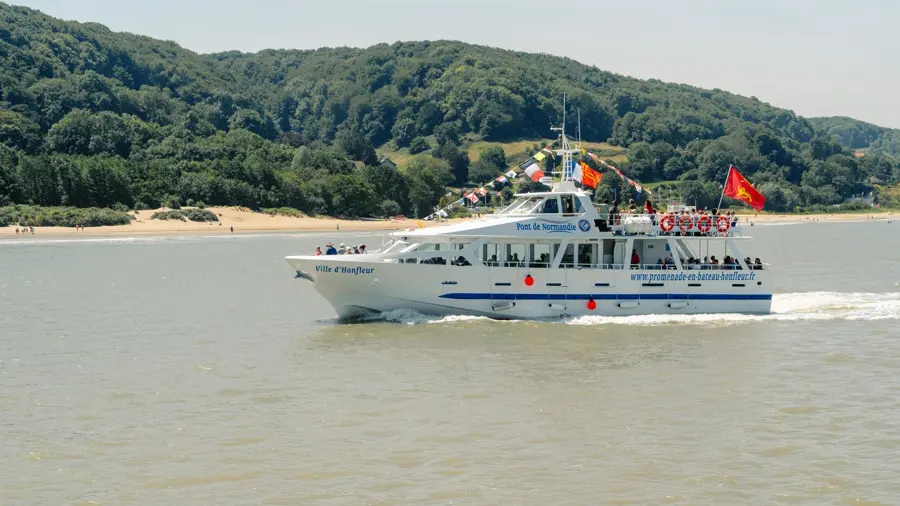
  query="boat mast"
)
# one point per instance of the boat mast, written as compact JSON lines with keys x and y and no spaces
{"x":566,"y":150}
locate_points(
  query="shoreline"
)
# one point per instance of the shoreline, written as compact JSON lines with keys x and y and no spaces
{"x":245,"y":222}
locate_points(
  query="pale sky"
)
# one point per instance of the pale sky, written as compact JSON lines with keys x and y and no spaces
{"x":816,"y":57}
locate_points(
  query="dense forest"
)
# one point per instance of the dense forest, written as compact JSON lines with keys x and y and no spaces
{"x":93,"y":118}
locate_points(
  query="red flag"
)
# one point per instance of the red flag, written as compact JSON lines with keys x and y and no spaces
{"x":590,"y":178}
{"x":737,"y":187}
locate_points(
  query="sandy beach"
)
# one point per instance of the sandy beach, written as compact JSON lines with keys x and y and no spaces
{"x":245,"y":221}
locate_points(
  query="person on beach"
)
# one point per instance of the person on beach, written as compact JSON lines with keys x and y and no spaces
{"x":17,"y":230}
{"x":232,"y":229}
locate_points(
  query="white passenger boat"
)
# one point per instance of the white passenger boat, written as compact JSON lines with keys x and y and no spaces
{"x":547,"y":255}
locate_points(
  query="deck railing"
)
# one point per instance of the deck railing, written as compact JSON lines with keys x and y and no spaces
{"x":689,"y":225}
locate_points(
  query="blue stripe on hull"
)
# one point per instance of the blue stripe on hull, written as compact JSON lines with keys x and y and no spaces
{"x":605,"y":296}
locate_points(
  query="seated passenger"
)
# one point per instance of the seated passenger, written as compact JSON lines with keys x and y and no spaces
{"x":758,"y":265}
{"x":635,"y":259}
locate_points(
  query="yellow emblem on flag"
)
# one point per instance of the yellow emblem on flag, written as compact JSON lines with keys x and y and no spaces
{"x":539,"y":156}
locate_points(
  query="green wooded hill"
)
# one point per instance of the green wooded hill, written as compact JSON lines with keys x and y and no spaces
{"x":856,"y":134}
{"x":89,"y":117}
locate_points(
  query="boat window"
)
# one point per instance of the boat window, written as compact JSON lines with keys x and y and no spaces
{"x":540,"y":255}
{"x":551,"y":206}
{"x":428,"y":247}
{"x":515,"y":205}
{"x":587,"y":254}
{"x":568,"y":258}
{"x":491,"y":254}
{"x":455,"y":257}
{"x":515,"y":255}
{"x":440,"y":257}
{"x":527,"y":206}
{"x":578,"y":207}
{"x":568,"y":204}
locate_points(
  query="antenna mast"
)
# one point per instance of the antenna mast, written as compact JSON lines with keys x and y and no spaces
{"x":566,"y":151}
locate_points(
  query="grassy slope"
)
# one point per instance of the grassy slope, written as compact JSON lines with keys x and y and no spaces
{"x":516,"y":151}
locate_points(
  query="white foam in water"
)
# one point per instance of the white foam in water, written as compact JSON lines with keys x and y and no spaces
{"x":785,"y":307}
{"x":806,"y":306}
{"x":410,"y":317}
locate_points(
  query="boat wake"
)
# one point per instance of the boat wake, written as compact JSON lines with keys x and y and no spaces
{"x":804,"y":306}
{"x":410,"y":317}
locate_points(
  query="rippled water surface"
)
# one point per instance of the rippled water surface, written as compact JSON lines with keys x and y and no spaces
{"x":197,"y":371}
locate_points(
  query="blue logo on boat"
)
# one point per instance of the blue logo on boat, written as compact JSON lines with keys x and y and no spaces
{"x":584,"y":225}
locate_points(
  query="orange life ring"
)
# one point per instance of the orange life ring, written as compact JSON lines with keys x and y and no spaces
{"x":685,"y":223}
{"x":722,"y":224}
{"x":667,"y":223}
{"x":704,"y":224}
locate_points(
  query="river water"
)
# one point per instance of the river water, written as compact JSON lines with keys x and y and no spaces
{"x":198,"y":371}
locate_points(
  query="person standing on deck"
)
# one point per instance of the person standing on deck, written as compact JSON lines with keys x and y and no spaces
{"x":635,"y":259}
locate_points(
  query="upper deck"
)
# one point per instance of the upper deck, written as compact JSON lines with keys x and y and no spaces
{"x":569,"y":211}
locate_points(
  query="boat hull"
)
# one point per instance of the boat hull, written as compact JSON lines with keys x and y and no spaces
{"x":358,"y":285}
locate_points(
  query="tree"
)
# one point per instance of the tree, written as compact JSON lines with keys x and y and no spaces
{"x":389,"y":184}
{"x":83,"y":133}
{"x":357,"y":147}
{"x":404,"y":132}
{"x":447,"y":133}
{"x":9,"y":178}
{"x":457,"y":159}
{"x":351,"y":195}
{"x":495,"y":156}
{"x":418,"y":145}
{"x":18,"y":132}
{"x":482,"y":172}
{"x":389,"y":208}
{"x":428,"y":178}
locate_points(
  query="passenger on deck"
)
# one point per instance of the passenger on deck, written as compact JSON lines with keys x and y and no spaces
{"x":362,"y":249}
{"x":493,"y":261}
{"x":635,"y":259}
{"x":329,"y":249}
{"x":758,"y":265}
{"x":648,"y":209}
{"x":318,"y":251}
